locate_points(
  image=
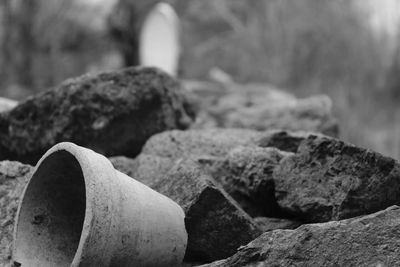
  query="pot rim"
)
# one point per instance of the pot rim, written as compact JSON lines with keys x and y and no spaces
{"x":91,"y":163}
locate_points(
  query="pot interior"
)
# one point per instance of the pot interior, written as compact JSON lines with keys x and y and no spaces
{"x":52,"y":213}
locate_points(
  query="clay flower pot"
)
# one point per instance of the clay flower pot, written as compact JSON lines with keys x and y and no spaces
{"x":77,"y":210}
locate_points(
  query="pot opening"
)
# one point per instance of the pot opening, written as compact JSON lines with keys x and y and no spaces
{"x":52,"y":213}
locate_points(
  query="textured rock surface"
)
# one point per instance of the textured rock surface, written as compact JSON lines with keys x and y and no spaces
{"x":216,"y":225}
{"x":194,"y":143}
{"x":125,"y":165}
{"x":268,"y":224}
{"x":217,"y":142}
{"x":371,"y":240}
{"x":283,"y":140}
{"x":329,"y":180}
{"x":216,"y":99}
{"x":146,"y":169}
{"x":264,"y":108}
{"x":13,"y":178}
{"x":113,"y":113}
{"x":246,"y":174}
{"x":310,"y":114}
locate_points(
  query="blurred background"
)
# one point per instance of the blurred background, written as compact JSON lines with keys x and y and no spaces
{"x":347,"y":49}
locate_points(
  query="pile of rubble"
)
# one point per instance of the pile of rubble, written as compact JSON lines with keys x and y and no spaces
{"x":260,"y":175}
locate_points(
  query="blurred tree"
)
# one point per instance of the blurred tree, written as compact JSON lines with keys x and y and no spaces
{"x":24,"y":43}
{"x":392,"y":81}
{"x":18,"y":43}
{"x":44,"y":42}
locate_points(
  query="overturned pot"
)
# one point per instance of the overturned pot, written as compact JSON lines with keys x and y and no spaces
{"x":77,"y":210}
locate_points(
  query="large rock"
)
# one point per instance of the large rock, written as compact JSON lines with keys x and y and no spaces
{"x":216,"y":225}
{"x":13,"y":178}
{"x":246,"y":174}
{"x":371,"y":240}
{"x":328,"y":179}
{"x":242,"y":160}
{"x":266,"y":108}
{"x":196,"y":143}
{"x":113,"y":113}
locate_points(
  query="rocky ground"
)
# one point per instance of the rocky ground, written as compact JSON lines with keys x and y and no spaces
{"x":261,"y":176}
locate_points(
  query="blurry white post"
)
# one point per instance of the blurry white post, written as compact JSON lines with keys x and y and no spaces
{"x":159,"y":44}
{"x":7,"y":104}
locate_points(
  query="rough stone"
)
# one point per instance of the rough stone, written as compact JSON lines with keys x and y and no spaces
{"x":371,"y":240}
{"x":112,"y":113}
{"x":217,"y":142}
{"x":268,"y":224}
{"x":246,"y":174}
{"x":196,"y":143}
{"x":264,"y":108}
{"x":328,"y":179}
{"x":125,"y":165}
{"x":191,"y":264}
{"x":284,"y":140}
{"x":13,"y":178}
{"x":146,"y":169}
{"x":204,"y":93}
{"x":216,"y":225}
{"x":215,"y":98}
